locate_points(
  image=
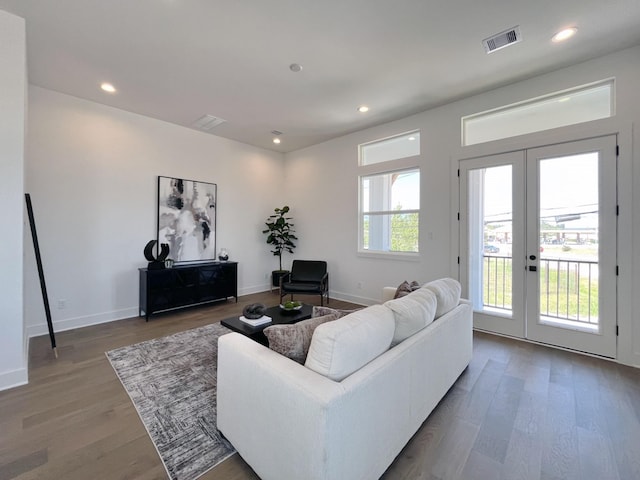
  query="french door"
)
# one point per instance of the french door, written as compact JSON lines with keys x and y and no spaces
{"x":538,"y":243}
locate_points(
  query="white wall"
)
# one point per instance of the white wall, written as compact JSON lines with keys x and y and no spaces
{"x":322,"y":187}
{"x":92,"y":174}
{"x":13,"y":81}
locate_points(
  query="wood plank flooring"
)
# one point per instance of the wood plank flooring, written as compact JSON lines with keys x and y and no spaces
{"x":519,"y":411}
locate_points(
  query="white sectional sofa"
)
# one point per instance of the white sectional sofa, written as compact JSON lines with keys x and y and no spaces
{"x":350,"y":421}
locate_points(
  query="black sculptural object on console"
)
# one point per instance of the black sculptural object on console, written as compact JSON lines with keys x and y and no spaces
{"x":156,"y":263}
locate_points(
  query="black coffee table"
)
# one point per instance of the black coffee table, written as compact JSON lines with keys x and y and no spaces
{"x":278,"y":317}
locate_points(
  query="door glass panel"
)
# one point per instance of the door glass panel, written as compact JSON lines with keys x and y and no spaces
{"x":490,"y":239}
{"x":569,"y":241}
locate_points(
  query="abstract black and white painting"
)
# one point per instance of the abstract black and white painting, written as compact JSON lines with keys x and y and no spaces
{"x":187,"y":219}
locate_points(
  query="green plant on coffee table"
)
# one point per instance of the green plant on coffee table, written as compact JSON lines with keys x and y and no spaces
{"x":292,"y":305}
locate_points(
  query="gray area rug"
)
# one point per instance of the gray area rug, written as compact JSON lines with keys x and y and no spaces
{"x":172,"y":383}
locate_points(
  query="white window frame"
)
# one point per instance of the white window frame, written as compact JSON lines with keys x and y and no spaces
{"x":383,"y":168}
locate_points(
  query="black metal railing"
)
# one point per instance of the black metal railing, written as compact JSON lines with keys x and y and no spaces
{"x":568,"y":288}
{"x":497,"y":286}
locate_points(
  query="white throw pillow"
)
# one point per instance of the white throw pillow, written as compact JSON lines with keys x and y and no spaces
{"x":343,"y":346}
{"x":412,"y":313}
{"x":447,"y":292}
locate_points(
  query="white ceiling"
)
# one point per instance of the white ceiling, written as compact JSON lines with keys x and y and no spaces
{"x":176,"y":60}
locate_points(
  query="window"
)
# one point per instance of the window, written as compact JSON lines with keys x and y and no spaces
{"x":569,"y":107}
{"x":393,"y":148}
{"x":389,"y":204}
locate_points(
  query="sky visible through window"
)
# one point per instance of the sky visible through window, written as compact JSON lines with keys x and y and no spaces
{"x":404,"y":193}
{"x":568,"y":186}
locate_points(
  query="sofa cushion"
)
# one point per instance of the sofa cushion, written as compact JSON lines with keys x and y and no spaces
{"x":412,"y":313}
{"x":405,"y":288}
{"x":293,"y":340}
{"x":447,"y":291}
{"x":321,"y":311}
{"x":343,"y":346}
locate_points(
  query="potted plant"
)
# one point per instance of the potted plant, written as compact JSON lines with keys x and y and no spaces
{"x":280,"y":235}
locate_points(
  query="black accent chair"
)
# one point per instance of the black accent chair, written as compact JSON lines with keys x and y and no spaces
{"x":308,"y":277}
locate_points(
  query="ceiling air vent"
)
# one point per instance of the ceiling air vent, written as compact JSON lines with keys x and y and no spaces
{"x":207,"y":122}
{"x":503,"y":39}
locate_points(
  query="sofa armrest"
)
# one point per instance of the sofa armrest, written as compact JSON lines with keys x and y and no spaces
{"x":388,"y":293}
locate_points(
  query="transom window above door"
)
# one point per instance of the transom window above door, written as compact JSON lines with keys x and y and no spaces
{"x":559,"y":109}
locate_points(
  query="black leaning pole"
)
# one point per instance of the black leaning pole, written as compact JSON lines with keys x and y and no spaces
{"x":43,"y":285}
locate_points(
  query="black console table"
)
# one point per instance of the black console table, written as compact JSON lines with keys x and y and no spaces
{"x":183,"y":286}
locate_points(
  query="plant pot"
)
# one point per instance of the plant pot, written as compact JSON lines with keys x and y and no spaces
{"x":275,"y":277}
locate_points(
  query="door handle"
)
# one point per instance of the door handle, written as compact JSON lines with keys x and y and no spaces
{"x":533,"y":268}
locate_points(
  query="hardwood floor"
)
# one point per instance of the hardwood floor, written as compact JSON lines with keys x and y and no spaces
{"x":519,"y":411}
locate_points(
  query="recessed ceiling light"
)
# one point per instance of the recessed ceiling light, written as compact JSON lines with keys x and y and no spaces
{"x":107,"y":87}
{"x":276,"y":140}
{"x":295,"y":67}
{"x":363,"y":109}
{"x":564,"y":34}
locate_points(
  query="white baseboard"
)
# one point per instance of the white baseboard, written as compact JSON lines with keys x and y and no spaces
{"x":88,"y":320}
{"x":635,"y":362}
{"x":14,"y":378}
{"x":345,"y":297}
{"x":79,"y":322}
{"x":254,"y":289}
